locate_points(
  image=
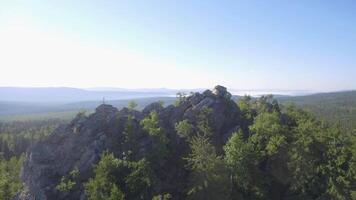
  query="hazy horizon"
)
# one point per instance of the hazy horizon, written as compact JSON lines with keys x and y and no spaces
{"x":299,"y":45}
{"x":117,"y":93}
{"x":118,"y":88}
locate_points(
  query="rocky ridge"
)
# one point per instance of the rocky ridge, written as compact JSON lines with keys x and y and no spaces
{"x":79,"y":144}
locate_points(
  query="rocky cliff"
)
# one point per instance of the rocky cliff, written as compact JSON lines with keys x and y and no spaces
{"x":79,"y":144}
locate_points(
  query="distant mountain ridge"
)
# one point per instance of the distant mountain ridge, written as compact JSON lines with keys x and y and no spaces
{"x":24,"y":108}
{"x":68,"y":95}
{"x":55,"y":95}
{"x":339,"y":106}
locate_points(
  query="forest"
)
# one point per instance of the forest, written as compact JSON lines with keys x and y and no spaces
{"x":15,"y":138}
{"x":335,"y":107}
{"x":277,"y":151}
{"x":120,"y":100}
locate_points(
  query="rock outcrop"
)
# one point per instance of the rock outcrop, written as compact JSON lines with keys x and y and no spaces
{"x":79,"y":144}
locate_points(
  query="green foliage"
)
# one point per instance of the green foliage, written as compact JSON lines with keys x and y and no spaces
{"x":352,"y":172}
{"x":132,"y":105}
{"x":337,"y":107}
{"x":184,"y":128}
{"x":131,"y":134}
{"x":158,"y":149}
{"x":267,"y":133}
{"x":42,"y":116}
{"x":116,"y":194}
{"x":162,"y":197}
{"x":337,"y":163}
{"x":209,"y":178}
{"x":324,"y":158}
{"x":102,"y":185}
{"x":119,"y":179}
{"x":247,"y":114}
{"x":68,"y":182}
{"x":139,"y":180}
{"x":204,"y":121}
{"x":10,"y":182}
{"x":181,"y":97}
{"x":151,"y":126}
{"x":243,"y":160}
{"x":279,"y":152}
{"x":290,"y":155}
{"x":17,"y":136}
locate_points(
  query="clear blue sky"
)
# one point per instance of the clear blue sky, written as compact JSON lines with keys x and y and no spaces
{"x":307,"y":45}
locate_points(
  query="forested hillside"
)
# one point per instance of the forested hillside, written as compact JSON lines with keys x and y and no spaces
{"x":334,"y":107}
{"x":205,"y":146}
{"x":15,"y":138}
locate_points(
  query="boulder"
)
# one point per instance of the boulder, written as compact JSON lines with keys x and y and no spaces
{"x":221,"y":91}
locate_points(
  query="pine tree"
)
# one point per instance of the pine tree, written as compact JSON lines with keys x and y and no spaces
{"x":209,"y":177}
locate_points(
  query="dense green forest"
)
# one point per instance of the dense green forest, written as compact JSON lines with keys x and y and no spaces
{"x":278,"y":152}
{"x":339,"y":107}
{"x":15,"y":138}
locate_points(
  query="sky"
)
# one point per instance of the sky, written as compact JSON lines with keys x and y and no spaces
{"x":286,"y":45}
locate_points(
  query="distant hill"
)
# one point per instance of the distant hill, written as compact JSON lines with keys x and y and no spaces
{"x":141,"y":103}
{"x":68,"y":95}
{"x":13,"y":107}
{"x":20,"y":110}
{"x":335,"y":106}
{"x":60,"y":95}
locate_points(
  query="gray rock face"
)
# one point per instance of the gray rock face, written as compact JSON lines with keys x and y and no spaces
{"x":156,"y":106}
{"x":80,"y":144}
{"x":221,"y":91}
{"x":76,"y":146}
